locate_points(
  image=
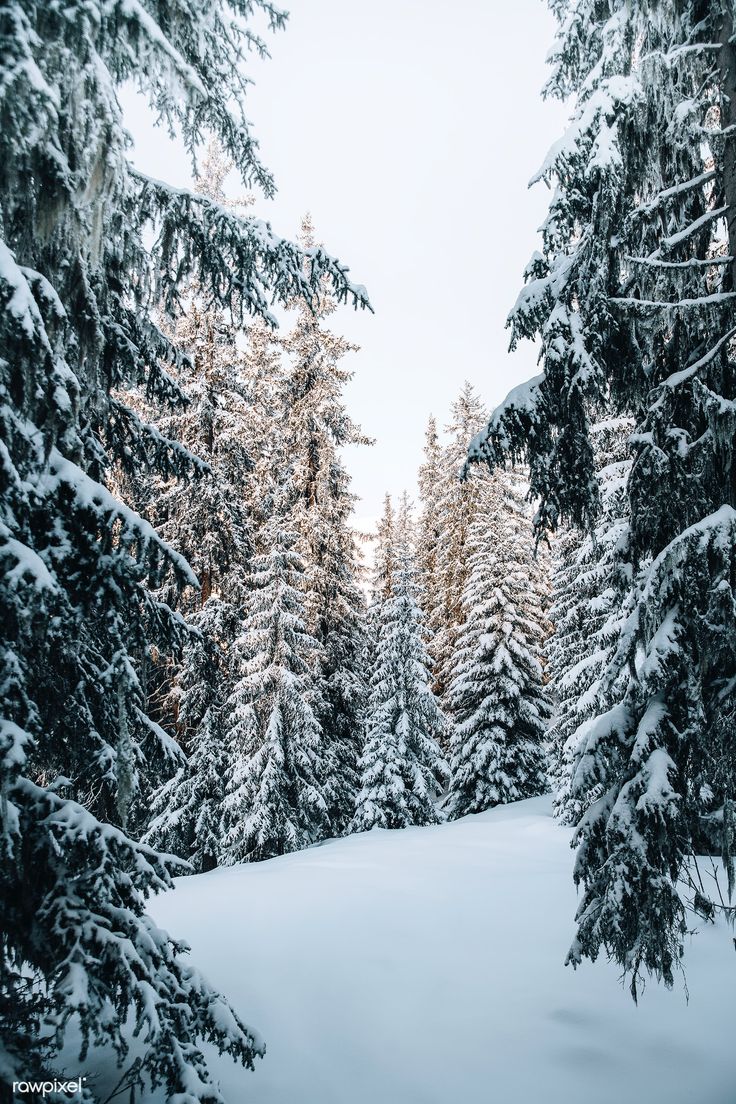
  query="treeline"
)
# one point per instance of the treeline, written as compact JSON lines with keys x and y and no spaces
{"x":304,"y":710}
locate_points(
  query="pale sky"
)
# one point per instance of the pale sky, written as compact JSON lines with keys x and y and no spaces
{"x":409,"y":130}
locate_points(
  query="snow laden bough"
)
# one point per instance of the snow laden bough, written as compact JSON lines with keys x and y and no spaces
{"x":627,"y":833}
{"x":632,"y":299}
{"x":79,"y":617}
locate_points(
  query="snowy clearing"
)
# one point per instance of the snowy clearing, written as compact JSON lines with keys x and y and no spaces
{"x":425,"y":966}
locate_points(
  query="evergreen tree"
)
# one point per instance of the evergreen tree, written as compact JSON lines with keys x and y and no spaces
{"x":456,"y":508}
{"x":633,"y":301}
{"x":499,"y":704}
{"x":432,"y":479}
{"x":229,"y":423}
{"x":78,"y":285}
{"x":382,"y":578}
{"x":384,"y":555}
{"x":402,"y":771}
{"x":587,"y":616}
{"x":207,"y":519}
{"x":186,"y":816}
{"x":315,"y":427}
{"x":275,"y":800}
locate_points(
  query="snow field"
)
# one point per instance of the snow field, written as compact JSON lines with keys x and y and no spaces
{"x":425,"y":966}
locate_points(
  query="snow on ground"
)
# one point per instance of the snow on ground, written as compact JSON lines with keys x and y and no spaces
{"x":425,"y":966}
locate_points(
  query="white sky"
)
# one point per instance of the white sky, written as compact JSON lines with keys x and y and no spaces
{"x":409,"y":129}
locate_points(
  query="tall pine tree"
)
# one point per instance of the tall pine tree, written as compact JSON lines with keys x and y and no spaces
{"x":402,"y":771}
{"x":276,"y":789}
{"x":456,"y":505}
{"x":633,"y":300}
{"x":315,"y":428}
{"x":233,"y":389}
{"x":432,"y":487}
{"x":498,"y":701}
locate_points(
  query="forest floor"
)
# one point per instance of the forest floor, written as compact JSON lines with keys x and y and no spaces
{"x":425,"y":966}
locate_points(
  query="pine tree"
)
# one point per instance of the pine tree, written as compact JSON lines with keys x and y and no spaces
{"x":384,"y":555}
{"x":432,"y":479}
{"x":229,"y":423}
{"x":497,"y":695}
{"x":456,"y":508}
{"x":207,"y":519}
{"x":633,"y":301}
{"x":275,"y":802}
{"x":79,"y":618}
{"x":382,"y":578}
{"x":186,"y":816}
{"x":587,"y":616}
{"x":315,"y":427}
{"x":402,"y":770}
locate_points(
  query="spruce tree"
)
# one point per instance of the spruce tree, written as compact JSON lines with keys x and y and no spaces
{"x":89,"y":248}
{"x":276,"y":791}
{"x":431,"y":481}
{"x":402,"y":771}
{"x":382,"y":577}
{"x":315,"y":428}
{"x":206,"y":519}
{"x":633,"y":301}
{"x":186,"y":815}
{"x":456,"y":508}
{"x":384,"y":555}
{"x":228,"y":422}
{"x":499,"y":704}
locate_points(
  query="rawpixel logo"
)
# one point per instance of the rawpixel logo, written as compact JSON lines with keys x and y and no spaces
{"x":43,"y":1088}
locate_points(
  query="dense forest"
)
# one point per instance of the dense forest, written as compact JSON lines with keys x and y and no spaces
{"x":204,"y":664}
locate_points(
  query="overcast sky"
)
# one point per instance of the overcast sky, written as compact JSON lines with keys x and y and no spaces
{"x":409,"y":129}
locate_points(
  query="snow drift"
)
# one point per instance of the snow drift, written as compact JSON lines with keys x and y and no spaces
{"x":425,"y":966}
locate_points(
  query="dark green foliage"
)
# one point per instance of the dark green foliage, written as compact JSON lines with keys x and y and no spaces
{"x":80,"y":571}
{"x":633,"y":300}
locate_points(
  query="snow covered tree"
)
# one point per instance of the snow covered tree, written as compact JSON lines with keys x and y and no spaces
{"x":187,"y":812}
{"x":587,"y":615}
{"x":432,"y":485}
{"x":498,"y":701}
{"x":315,"y":428}
{"x":229,"y":423}
{"x":382,"y":578}
{"x":384,"y":554}
{"x":402,"y":771}
{"x":278,"y":398}
{"x":207,"y":519}
{"x":275,"y":801}
{"x":633,"y":300}
{"x":90,"y":248}
{"x":263,"y":366}
{"x":456,"y":505}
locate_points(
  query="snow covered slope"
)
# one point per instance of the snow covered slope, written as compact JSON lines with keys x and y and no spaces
{"x":425,"y":966}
